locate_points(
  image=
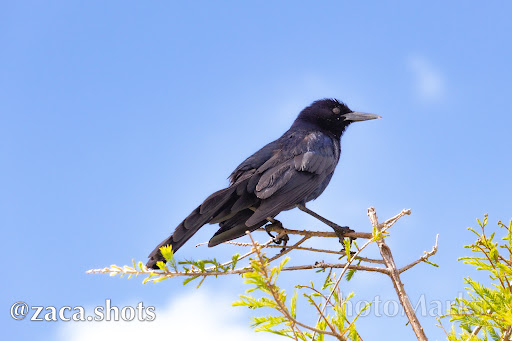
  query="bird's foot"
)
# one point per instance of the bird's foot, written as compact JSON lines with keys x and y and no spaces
{"x":283,"y":239}
{"x":268,"y":227}
{"x":340,"y":232}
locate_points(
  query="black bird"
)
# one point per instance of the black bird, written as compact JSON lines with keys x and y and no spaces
{"x":289,"y":171}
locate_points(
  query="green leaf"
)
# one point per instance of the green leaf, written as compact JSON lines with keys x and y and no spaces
{"x":488,"y":307}
{"x":293,"y":304}
{"x":429,"y":262}
{"x":190,"y":279}
{"x":346,"y":244}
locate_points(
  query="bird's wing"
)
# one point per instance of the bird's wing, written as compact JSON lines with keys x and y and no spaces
{"x":292,"y":174}
{"x":253,"y":162}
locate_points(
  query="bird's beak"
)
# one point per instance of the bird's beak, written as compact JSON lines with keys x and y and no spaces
{"x":355,"y":116}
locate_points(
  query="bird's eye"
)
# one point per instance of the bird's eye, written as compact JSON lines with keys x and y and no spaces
{"x":336,"y":110}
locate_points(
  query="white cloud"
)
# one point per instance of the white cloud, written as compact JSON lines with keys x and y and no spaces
{"x":429,"y":81}
{"x":195,"y":316}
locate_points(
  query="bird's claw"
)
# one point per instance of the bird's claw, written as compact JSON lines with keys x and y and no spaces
{"x":282,"y":239}
{"x":340,"y":232}
{"x":268,"y":228}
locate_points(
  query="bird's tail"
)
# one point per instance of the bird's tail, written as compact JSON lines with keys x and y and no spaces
{"x":156,"y":255}
{"x":202,"y":215}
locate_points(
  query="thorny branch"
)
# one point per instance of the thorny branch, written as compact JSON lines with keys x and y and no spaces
{"x":379,"y":232}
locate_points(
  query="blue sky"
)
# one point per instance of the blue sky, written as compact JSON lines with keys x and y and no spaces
{"x":118,"y":118}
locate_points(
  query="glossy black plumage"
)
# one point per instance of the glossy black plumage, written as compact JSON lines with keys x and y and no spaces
{"x":291,"y":170}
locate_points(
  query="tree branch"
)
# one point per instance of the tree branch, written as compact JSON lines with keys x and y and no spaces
{"x":394,"y":274}
{"x":363,"y":235}
{"x":377,"y":236}
{"x":196,"y":272}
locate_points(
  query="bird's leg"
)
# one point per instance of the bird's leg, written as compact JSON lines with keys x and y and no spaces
{"x":273,"y":222}
{"x":285,"y":238}
{"x":339,"y":230}
{"x":340,"y":233}
{"x":268,"y":228}
{"x":276,"y":223}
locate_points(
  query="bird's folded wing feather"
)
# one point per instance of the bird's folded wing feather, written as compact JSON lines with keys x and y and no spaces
{"x":291,"y":175}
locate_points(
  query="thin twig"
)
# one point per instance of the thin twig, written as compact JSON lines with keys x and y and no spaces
{"x":441,"y":325}
{"x":318,"y":292}
{"x":245,"y":255}
{"x":342,"y":252}
{"x":273,"y":246}
{"x":325,"y":319}
{"x":422,"y":258}
{"x":280,"y":254}
{"x":336,"y":266}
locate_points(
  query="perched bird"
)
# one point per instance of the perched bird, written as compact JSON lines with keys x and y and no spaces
{"x":287,"y":172}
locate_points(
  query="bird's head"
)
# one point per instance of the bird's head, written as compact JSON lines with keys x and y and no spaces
{"x":331,"y":115}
